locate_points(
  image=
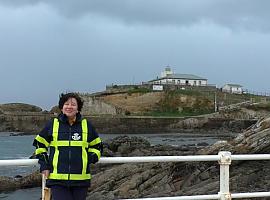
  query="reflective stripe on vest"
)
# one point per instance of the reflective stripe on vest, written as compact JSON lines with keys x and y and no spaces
{"x":70,"y":176}
{"x":40,"y":150}
{"x":95,"y":141}
{"x":42,"y":140}
{"x":55,"y":143}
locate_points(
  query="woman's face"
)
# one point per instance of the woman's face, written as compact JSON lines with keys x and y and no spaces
{"x":70,"y":108}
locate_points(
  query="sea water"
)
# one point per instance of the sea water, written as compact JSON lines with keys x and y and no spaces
{"x":17,"y":147}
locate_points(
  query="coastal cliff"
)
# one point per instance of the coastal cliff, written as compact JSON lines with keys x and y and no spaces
{"x":31,"y":123}
{"x":136,"y":112}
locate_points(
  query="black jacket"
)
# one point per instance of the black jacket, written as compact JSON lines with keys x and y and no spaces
{"x":72,"y":149}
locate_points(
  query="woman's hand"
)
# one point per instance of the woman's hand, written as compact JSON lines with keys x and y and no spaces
{"x":46,"y":173}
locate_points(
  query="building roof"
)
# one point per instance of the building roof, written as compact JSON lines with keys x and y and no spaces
{"x":233,"y":85}
{"x":182,"y":76}
{"x":186,"y":76}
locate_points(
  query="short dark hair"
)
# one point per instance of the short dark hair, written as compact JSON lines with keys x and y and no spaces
{"x":64,"y":97}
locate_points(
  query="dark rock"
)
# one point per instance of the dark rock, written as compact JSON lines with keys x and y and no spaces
{"x":9,"y":184}
{"x":18,"y":176}
{"x":124,"y":145}
{"x":192,"y":178}
{"x":202,"y":144}
{"x":18,"y":134}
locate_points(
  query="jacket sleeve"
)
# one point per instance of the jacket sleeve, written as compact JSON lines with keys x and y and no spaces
{"x":42,"y":142}
{"x":95,"y":146}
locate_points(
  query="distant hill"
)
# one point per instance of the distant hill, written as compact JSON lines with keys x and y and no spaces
{"x":158,"y":103}
{"x":19,"y":107}
{"x":141,"y":101}
{"x":145,"y":102}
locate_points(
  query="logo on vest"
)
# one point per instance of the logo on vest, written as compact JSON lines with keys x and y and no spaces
{"x":76,"y":136}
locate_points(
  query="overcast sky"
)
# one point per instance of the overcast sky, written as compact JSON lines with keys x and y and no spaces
{"x":53,"y":46}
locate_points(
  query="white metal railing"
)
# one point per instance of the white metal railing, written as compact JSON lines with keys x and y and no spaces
{"x":224,"y":158}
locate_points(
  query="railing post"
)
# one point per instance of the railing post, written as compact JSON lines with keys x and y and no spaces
{"x":224,"y":162}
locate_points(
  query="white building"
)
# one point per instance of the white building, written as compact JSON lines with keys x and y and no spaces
{"x":232,"y":88}
{"x":168,"y":77}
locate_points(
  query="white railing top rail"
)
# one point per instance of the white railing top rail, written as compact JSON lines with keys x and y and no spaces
{"x":224,"y":158}
{"x":208,"y":197}
{"x":141,"y":159}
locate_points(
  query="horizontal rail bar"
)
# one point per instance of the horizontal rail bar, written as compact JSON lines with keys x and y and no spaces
{"x":19,"y":162}
{"x":251,"y":157}
{"x":138,"y":159}
{"x":199,"y":197}
{"x":250,"y":195}
{"x":215,"y":196}
{"x":26,"y":162}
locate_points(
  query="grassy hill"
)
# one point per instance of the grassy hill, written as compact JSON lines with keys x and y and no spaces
{"x":142,"y":101}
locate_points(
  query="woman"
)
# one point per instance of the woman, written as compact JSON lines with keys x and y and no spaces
{"x":73,"y":144}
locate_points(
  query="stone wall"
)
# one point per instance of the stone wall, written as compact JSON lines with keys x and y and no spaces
{"x":166,"y":87}
{"x":23,"y":122}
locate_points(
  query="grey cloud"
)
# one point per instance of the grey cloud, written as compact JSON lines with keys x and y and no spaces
{"x":247,"y":14}
{"x":19,"y":3}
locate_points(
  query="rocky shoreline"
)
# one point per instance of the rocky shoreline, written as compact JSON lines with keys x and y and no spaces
{"x":111,"y":181}
{"x":188,"y":178}
{"x":32,"y":124}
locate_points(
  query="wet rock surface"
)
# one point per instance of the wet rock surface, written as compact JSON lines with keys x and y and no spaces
{"x":188,"y":178}
{"x":20,"y":182}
